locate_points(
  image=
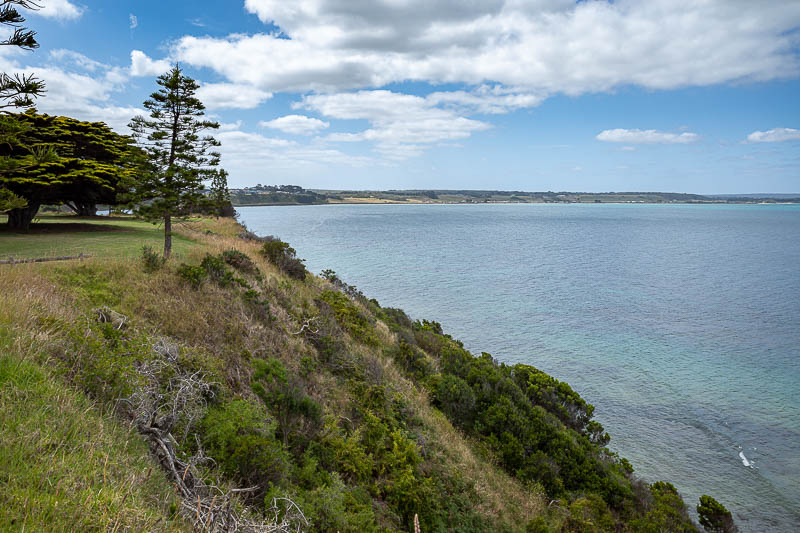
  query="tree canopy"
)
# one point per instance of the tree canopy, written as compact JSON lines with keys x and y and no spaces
{"x":179,"y":157}
{"x":63,"y":160}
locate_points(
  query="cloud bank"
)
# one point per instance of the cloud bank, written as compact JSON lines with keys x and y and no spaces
{"x":620,"y":135}
{"x":545,"y":46}
{"x":774,"y":135}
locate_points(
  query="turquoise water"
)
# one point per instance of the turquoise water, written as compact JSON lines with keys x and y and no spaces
{"x":680,"y":323}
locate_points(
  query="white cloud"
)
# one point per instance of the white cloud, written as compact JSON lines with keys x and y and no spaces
{"x":774,"y":135}
{"x":247,"y":154}
{"x":489,"y":100}
{"x":296,"y":124}
{"x":620,"y":135}
{"x":142,"y":65}
{"x":402,"y":125}
{"x":540,"y":47}
{"x":64,"y":56}
{"x":60,"y":9}
{"x":231,"y":96}
{"x":79,"y":87}
{"x":230,"y":126}
{"x":133,"y":21}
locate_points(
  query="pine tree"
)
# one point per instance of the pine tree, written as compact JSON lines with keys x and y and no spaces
{"x":179,"y":159}
{"x":18,"y":90}
{"x":220,"y":195}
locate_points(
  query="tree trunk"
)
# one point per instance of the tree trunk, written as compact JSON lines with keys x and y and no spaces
{"x":83,"y":209}
{"x":20,"y":219}
{"x":167,"y":235}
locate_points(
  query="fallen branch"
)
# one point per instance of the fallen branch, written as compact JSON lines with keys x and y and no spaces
{"x":155,"y":410}
{"x":12,"y":261}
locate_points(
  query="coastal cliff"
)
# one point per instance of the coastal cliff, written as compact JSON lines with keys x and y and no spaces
{"x":231,"y":388}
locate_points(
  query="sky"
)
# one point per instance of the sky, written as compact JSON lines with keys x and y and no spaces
{"x":695,"y":96}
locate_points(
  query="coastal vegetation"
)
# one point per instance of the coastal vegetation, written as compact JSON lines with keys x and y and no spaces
{"x":297,"y":388}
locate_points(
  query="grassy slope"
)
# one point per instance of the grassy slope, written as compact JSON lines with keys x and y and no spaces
{"x":221,"y":333}
{"x":64,"y":464}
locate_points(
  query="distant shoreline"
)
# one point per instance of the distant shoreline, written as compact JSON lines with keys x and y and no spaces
{"x":273,"y":195}
{"x":397,"y":202}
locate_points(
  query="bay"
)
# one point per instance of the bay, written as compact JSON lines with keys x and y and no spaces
{"x":680,"y":323}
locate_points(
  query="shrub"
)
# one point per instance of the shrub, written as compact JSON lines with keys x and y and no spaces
{"x":411,"y":360}
{"x":714,"y":517}
{"x":284,"y":257}
{"x":151,"y":261}
{"x":195,"y":275}
{"x":240,"y":438}
{"x":216,"y":270}
{"x":456,"y":399}
{"x":286,"y":401}
{"x":349,"y":317}
{"x":240,"y":261}
{"x":667,"y":512}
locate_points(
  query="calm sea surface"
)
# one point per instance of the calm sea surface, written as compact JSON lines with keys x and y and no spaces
{"x":680,"y":323}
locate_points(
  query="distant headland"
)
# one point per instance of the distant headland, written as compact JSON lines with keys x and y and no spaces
{"x":296,"y":195}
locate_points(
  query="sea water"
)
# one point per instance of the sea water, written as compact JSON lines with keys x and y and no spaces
{"x":680,"y":323}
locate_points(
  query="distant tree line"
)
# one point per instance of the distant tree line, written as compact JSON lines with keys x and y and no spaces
{"x":276,"y":194}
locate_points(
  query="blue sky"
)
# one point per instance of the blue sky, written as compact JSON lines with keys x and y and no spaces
{"x":663,"y":95}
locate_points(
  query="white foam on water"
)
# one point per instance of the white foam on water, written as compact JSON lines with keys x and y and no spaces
{"x":745,"y":462}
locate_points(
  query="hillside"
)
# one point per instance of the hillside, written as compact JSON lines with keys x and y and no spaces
{"x":243,"y":371}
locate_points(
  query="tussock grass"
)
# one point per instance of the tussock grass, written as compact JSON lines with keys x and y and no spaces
{"x":64,"y":465}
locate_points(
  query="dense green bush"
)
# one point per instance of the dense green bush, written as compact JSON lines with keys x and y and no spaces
{"x":530,"y":441}
{"x":334,"y":506}
{"x":559,"y":399}
{"x":240,"y":437}
{"x":195,"y":275}
{"x":456,"y":400}
{"x":411,"y":359}
{"x":284,"y":257}
{"x":666,"y":512}
{"x":714,"y":517}
{"x":215,"y":267}
{"x":240,"y":261}
{"x":287,"y":402}
{"x":349,"y":317}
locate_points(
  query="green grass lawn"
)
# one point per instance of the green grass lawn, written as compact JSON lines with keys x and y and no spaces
{"x":65,"y":465}
{"x":58,"y":235}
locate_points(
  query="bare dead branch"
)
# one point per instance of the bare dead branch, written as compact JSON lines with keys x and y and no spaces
{"x":169,"y":396}
{"x":307,"y":327}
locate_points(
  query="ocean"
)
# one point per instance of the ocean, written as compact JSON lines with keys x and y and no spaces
{"x":680,"y":323}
